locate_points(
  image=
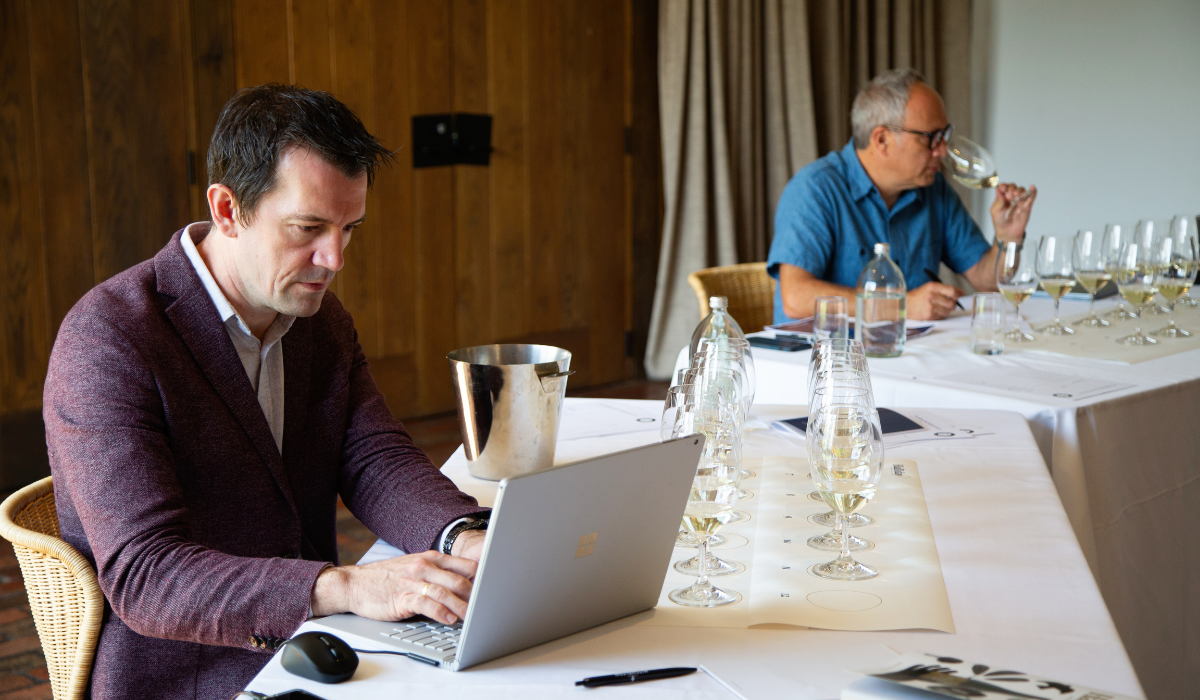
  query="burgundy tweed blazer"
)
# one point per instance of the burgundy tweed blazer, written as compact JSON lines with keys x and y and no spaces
{"x":207,"y":541}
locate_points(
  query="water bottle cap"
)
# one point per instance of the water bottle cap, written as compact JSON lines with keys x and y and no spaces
{"x":718,"y":302}
{"x":883,"y":249}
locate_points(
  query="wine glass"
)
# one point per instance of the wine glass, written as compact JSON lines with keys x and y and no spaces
{"x":722,"y":455}
{"x":1115,"y":238}
{"x":710,"y":506}
{"x":1147,"y":236}
{"x":973,"y":166}
{"x":1183,"y":228}
{"x":1087,"y":256}
{"x":1016,"y":278}
{"x":1057,"y":276}
{"x":845,"y":456}
{"x":1135,"y":276}
{"x":1175,"y":262}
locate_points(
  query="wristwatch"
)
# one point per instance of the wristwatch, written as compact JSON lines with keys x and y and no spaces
{"x":459,"y":529}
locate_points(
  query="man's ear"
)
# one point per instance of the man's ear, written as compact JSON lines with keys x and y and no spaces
{"x":222,"y":205}
{"x":881,"y":140}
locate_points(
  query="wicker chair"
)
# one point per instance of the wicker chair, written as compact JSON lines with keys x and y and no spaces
{"x":63,"y":591}
{"x":750,"y":290}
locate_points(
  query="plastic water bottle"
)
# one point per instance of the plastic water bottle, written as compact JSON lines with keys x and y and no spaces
{"x":880,"y":309}
{"x":717,"y":324}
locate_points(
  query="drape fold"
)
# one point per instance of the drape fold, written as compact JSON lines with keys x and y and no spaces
{"x":751,"y":91}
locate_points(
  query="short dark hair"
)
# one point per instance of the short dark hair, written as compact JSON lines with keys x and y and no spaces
{"x":258,"y":124}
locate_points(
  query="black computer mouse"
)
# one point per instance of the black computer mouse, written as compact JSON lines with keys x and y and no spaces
{"x":319,"y":656}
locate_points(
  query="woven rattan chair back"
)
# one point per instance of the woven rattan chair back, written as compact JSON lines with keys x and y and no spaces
{"x":750,"y":290}
{"x":64,"y":594}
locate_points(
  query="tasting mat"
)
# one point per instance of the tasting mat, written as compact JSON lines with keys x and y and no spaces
{"x":778,"y":589}
{"x":1101,"y":343}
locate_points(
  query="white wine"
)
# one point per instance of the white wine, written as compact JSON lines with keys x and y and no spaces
{"x":1138,"y":294}
{"x":710,"y":504}
{"x":1016,"y":295}
{"x":1173,"y":289}
{"x":846,"y":502}
{"x":978,"y":183}
{"x":1093,"y":279}
{"x":1056,"y":287}
{"x":706,"y":517}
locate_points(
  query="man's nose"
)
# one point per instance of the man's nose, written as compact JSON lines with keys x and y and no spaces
{"x":329,"y":253}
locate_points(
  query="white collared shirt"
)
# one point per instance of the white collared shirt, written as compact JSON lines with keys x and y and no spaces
{"x":263,"y":361}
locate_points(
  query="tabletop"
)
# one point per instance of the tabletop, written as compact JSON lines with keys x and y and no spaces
{"x":1020,"y":591}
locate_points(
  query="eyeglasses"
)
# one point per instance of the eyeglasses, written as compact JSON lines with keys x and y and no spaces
{"x":933,"y":138}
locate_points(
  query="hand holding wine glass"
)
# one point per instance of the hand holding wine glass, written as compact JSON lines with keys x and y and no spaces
{"x":973,"y":166}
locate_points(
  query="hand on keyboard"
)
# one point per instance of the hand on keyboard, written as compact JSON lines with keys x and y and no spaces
{"x":430,"y":583}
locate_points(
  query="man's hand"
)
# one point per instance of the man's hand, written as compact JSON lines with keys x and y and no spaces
{"x":932,"y":301}
{"x":1010,"y":211}
{"x":430,"y":583}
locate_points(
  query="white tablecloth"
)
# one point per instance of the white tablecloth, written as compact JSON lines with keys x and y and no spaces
{"x":1019,"y":588}
{"x":1126,"y":465}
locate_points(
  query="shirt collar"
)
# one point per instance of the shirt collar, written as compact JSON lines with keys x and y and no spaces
{"x":225,"y":310}
{"x":861,"y":184}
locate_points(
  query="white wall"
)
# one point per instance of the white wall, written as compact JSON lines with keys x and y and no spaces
{"x":1097,"y":102}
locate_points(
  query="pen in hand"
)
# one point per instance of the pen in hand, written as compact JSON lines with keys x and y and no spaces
{"x":934,"y":276}
{"x":635,"y":677}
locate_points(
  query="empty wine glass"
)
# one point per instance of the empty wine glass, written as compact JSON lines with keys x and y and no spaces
{"x":1184,"y":228}
{"x":1056,"y":276}
{"x":1115,"y":238}
{"x":845,"y":456}
{"x":1016,"y":278}
{"x":1087,"y":256}
{"x":1136,"y":275}
{"x":1176,"y":265}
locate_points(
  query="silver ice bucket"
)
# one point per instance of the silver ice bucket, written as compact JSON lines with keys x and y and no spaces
{"x":509,"y":401}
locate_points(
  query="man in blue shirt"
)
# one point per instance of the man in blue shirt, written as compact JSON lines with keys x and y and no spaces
{"x":884,"y":187}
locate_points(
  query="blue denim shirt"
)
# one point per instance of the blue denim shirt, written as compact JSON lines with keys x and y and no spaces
{"x":831,"y":216}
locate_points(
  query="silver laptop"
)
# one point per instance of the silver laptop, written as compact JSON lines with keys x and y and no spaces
{"x":567,"y":549}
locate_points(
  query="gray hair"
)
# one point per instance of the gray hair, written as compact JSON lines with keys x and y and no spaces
{"x":881,"y":102}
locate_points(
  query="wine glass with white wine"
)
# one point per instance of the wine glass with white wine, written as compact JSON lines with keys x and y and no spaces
{"x":972,"y":165}
{"x":1176,"y":265}
{"x":1087,"y":256}
{"x":1147,"y":235}
{"x":845,"y":457}
{"x":1136,"y":276}
{"x":1057,"y":276}
{"x":1184,"y":228}
{"x":710,"y":506}
{"x":1016,"y":278}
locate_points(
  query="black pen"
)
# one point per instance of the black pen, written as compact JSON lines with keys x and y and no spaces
{"x":635,"y":677}
{"x":934,"y":276}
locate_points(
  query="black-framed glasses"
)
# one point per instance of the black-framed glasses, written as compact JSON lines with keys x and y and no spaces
{"x":932,"y":138}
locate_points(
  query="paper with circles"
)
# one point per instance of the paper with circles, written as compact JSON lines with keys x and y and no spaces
{"x":777,"y":587}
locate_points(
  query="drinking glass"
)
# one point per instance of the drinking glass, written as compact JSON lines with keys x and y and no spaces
{"x":973,"y":166}
{"x":1115,"y":238}
{"x":1016,"y":278}
{"x":830,"y":318}
{"x":1057,"y":276}
{"x":1135,"y":276}
{"x":1176,"y":265}
{"x":1184,"y":228}
{"x":987,"y":324}
{"x":696,"y":413}
{"x":1147,"y":236}
{"x":1087,"y":256}
{"x":710,"y":506}
{"x":739,"y":353}
{"x":845,"y":456}
{"x":722,"y":457}
{"x":840,"y":394}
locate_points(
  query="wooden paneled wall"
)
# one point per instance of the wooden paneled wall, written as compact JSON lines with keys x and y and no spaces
{"x":106,"y":108}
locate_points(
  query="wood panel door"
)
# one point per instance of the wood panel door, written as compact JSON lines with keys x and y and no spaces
{"x":107,"y":106}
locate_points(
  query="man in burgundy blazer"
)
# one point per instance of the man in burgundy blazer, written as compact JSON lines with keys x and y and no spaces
{"x":209,"y":533}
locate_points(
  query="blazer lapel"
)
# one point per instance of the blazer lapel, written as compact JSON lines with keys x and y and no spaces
{"x":195,"y":319}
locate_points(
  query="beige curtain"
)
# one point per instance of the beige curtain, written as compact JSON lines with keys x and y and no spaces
{"x":751,"y":91}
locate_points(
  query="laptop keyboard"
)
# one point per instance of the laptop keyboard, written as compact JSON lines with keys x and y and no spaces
{"x":430,"y":635}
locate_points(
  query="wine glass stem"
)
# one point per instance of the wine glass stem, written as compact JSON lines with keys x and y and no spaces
{"x":702,"y":581}
{"x":1056,"y":321}
{"x":1091,"y":305}
{"x":1170,"y":313}
{"x":1017,"y":318}
{"x":842,"y":525}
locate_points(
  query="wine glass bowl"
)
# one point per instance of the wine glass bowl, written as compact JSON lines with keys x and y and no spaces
{"x":970,"y":163}
{"x":1184,"y":231}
